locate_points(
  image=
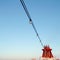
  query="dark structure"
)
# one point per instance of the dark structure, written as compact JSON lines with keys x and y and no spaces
{"x":47,"y":52}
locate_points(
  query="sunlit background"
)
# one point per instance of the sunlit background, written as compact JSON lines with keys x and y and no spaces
{"x":17,"y":37}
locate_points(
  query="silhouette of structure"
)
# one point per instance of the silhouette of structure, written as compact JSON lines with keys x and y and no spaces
{"x":47,"y":52}
{"x":46,"y":49}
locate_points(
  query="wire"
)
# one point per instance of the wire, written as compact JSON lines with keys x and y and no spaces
{"x":30,"y":20}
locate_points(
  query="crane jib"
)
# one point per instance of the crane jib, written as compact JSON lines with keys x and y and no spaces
{"x":30,"y":20}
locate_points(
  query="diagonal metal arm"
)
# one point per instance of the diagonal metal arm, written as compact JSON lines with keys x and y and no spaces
{"x":30,"y":20}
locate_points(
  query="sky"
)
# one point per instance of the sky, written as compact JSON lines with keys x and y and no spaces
{"x":17,"y":37}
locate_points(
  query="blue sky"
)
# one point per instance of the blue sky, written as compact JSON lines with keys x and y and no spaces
{"x":17,"y":37}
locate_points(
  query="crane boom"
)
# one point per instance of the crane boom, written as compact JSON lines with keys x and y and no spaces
{"x":30,"y":20}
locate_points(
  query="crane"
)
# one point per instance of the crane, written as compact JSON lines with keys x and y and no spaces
{"x":47,"y":50}
{"x":30,"y":20}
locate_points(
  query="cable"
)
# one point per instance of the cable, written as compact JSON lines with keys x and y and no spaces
{"x":30,"y":20}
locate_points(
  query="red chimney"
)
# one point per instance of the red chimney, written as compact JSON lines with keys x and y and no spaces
{"x":47,"y":52}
